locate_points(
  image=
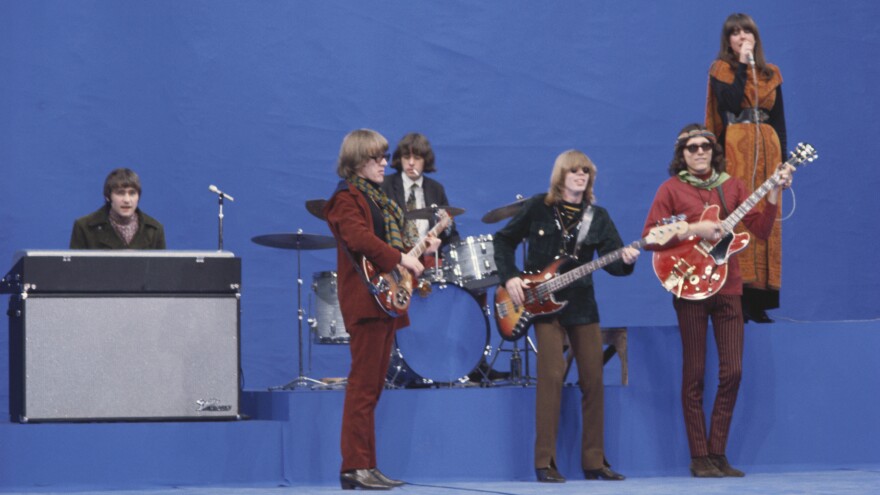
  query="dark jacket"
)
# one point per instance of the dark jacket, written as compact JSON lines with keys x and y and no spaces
{"x":536,"y":222}
{"x":94,"y":231}
{"x":434,"y":192}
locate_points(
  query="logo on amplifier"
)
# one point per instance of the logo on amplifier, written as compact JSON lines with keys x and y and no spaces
{"x":211,"y":405}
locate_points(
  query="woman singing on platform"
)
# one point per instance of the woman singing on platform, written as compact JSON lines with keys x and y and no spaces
{"x":744,"y":109}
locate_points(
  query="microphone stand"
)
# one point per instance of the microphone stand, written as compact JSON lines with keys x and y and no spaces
{"x":220,"y":223}
{"x":220,"y":196}
{"x":757,"y":123}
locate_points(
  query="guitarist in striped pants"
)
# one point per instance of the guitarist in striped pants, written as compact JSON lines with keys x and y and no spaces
{"x":698,"y":182}
{"x":366,"y":224}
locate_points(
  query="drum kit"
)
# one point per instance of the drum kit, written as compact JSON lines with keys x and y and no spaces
{"x":448,"y":340}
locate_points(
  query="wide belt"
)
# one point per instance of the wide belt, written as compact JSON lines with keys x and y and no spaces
{"x":748,"y":116}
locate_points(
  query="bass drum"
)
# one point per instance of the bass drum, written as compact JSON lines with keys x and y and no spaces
{"x":447,"y":339}
{"x":327,"y":323}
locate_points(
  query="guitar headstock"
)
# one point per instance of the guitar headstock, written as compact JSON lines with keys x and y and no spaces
{"x":661,"y":234}
{"x":804,"y":153}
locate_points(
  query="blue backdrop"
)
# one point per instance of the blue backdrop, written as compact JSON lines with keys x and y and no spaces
{"x":255,"y":97}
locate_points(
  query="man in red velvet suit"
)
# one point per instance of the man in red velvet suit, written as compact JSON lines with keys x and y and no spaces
{"x":366,"y":223}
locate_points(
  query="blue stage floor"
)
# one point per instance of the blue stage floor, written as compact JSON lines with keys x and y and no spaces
{"x":841,"y":482}
{"x":805,"y":423}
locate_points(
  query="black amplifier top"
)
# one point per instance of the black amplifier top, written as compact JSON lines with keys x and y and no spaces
{"x":123,"y":271}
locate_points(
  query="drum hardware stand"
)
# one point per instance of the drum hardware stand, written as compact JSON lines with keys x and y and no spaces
{"x":301,"y":380}
{"x":397,"y":367}
{"x":313,"y":333}
{"x":517,"y":377}
{"x":516,"y":359}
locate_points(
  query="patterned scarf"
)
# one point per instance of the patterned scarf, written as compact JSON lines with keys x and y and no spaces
{"x":391,"y":212}
{"x":125,"y":227}
{"x":712,"y":182}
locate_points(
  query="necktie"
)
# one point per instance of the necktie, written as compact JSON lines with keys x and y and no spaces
{"x":412,"y":231}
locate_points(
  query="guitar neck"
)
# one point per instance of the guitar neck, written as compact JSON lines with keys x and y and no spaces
{"x":422,"y":245}
{"x":734,"y":218}
{"x":562,"y":281}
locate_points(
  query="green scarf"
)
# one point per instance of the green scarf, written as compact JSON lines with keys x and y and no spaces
{"x":391,"y":212}
{"x":712,"y":182}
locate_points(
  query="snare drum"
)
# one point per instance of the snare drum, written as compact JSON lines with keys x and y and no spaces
{"x":447,"y":339}
{"x":327,"y":320}
{"x":470,"y":263}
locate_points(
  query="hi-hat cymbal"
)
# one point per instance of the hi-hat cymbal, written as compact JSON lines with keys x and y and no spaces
{"x":503,"y":212}
{"x":296,"y":240}
{"x":428,"y":213}
{"x":316,"y":207}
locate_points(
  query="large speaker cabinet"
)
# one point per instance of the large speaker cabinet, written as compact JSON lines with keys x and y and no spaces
{"x":163,"y":349}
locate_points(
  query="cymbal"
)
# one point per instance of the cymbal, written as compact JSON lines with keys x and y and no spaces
{"x":503,"y":212}
{"x":316,"y":207}
{"x":428,"y":213}
{"x":295,"y":240}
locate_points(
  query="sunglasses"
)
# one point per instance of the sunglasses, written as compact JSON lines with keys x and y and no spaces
{"x":706,"y":147}
{"x":378,"y":158}
{"x":585,"y":170}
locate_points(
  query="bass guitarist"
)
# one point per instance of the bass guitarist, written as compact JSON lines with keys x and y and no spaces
{"x":699,"y":181}
{"x":566,"y":222}
{"x":366,"y":224}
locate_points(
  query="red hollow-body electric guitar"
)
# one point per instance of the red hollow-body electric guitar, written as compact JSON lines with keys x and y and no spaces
{"x":514,"y":320}
{"x":696,"y":268}
{"x":393,"y":290}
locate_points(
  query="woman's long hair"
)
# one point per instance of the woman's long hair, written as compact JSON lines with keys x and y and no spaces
{"x":742,"y":22}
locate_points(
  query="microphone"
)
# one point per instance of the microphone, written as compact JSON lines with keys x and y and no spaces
{"x":214,"y":190}
{"x":751,"y":58}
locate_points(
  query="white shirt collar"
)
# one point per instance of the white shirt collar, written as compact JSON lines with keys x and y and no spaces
{"x":407,"y":182}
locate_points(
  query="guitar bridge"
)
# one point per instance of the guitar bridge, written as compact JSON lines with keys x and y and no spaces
{"x":680,"y":271}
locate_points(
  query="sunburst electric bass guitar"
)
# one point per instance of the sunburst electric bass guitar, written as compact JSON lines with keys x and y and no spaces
{"x":514,"y":320}
{"x":696,"y":268}
{"x":393,"y":289}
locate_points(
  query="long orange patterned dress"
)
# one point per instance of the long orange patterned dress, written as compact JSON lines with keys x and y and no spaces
{"x":731,"y":94}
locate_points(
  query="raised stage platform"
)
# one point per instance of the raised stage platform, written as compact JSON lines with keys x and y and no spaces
{"x":808,"y":402}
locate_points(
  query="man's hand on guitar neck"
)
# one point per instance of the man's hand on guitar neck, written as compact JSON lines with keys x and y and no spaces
{"x":705,"y":229}
{"x":433,"y":244}
{"x":412,"y":264}
{"x":784,"y":182}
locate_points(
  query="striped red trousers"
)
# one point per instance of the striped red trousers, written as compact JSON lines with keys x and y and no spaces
{"x":725,"y":311}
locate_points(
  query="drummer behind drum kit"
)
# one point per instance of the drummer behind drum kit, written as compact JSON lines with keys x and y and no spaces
{"x":448,"y":337}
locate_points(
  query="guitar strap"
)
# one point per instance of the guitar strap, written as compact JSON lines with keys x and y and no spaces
{"x":586,"y":220}
{"x":723,"y":201}
{"x":357,"y":266}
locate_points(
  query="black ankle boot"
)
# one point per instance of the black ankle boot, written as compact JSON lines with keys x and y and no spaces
{"x":549,"y":475}
{"x":385,"y":479}
{"x":361,"y":478}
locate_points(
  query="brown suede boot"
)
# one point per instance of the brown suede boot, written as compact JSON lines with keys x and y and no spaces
{"x":720,"y":462}
{"x":702,"y":467}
